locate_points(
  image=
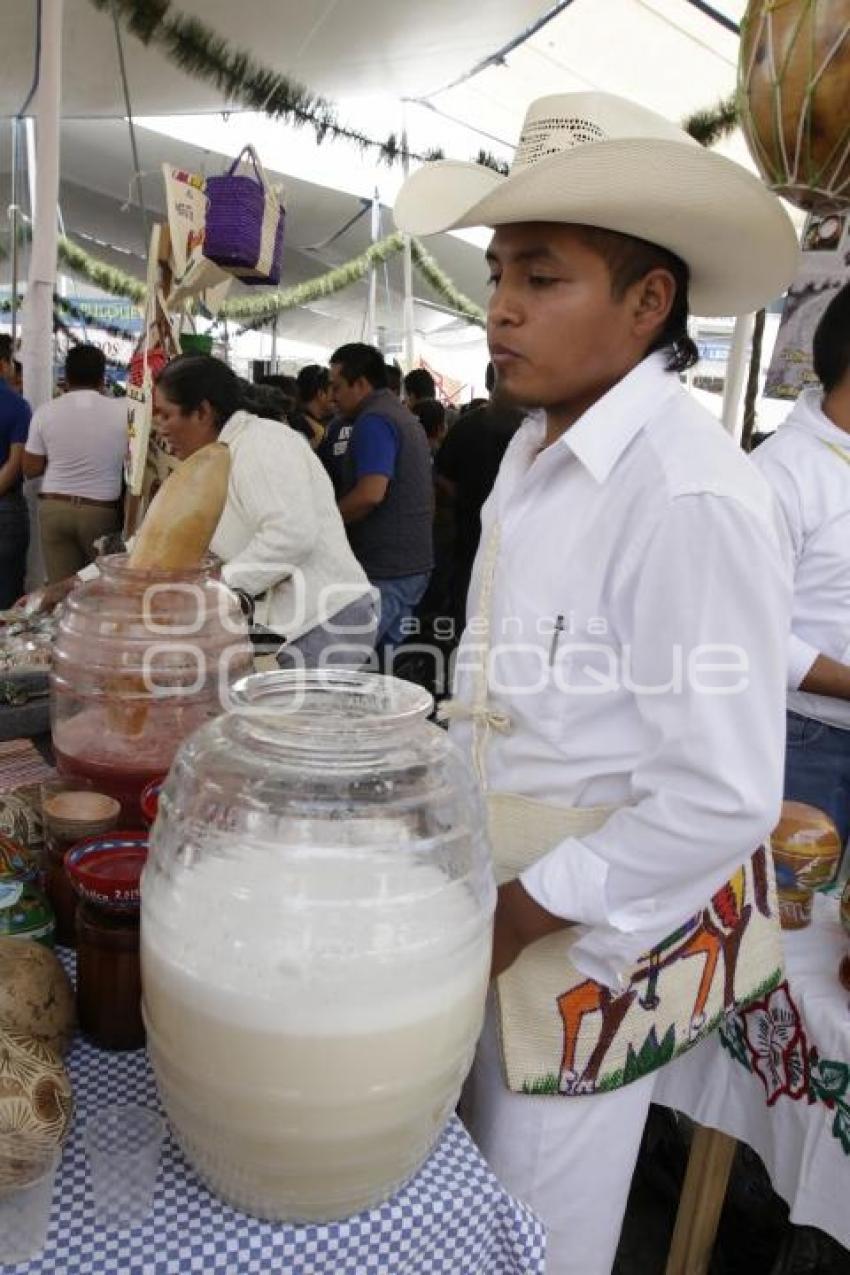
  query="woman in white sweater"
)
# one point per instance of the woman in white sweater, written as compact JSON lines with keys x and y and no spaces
{"x":280,"y":539}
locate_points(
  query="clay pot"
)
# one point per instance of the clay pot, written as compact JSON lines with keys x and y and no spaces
{"x":793,"y":72}
{"x":806,"y":849}
{"x":71,"y":815}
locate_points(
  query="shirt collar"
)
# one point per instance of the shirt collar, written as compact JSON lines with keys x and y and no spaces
{"x":234,"y":426}
{"x":599,"y":437}
{"x":808,"y":415}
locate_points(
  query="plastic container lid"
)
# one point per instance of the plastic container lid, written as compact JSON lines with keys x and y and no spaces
{"x":25,"y":913}
{"x":106,"y":870}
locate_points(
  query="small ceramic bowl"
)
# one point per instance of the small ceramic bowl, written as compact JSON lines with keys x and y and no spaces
{"x":106,"y":870}
{"x":73,"y":814}
{"x":149,"y":800}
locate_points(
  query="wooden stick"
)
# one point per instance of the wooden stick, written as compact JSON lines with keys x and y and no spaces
{"x":701,"y":1203}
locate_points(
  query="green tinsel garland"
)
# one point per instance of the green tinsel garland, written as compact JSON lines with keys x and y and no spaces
{"x":99,"y":273}
{"x":199,"y":51}
{"x":443,"y":286}
{"x":323,"y":285}
{"x":709,"y":126}
{"x":267,"y":304}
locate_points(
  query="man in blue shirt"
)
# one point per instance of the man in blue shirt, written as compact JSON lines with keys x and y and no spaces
{"x":14,"y":517}
{"x":380,"y":464}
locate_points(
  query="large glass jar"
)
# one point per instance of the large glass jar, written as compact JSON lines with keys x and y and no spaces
{"x":316,"y":936}
{"x":141,"y":659}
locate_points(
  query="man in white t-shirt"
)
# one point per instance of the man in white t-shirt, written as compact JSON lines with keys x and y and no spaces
{"x":807,"y":462}
{"x":78,"y":442}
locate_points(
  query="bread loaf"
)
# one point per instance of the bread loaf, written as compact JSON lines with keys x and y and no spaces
{"x":184,"y":514}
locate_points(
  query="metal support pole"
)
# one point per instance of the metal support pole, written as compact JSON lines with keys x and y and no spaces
{"x":13,"y":228}
{"x":44,"y":200}
{"x":409,"y":320}
{"x":736,"y":370}
{"x":372,"y":312}
{"x":38,"y":308}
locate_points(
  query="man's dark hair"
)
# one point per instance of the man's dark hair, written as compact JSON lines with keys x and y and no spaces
{"x":432,"y":414}
{"x":357,"y":360}
{"x":261,"y":399}
{"x":7,"y":348}
{"x":393,"y":377}
{"x":285,"y":385}
{"x":85,"y":367}
{"x":831,"y":345}
{"x":628,"y":259}
{"x":192,"y":379}
{"x":420,"y":383}
{"x":310,"y":381}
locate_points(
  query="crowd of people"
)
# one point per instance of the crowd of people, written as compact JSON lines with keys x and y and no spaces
{"x":352,"y":541}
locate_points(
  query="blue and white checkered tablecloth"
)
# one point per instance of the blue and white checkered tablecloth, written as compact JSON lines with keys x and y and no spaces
{"x":453,"y":1218}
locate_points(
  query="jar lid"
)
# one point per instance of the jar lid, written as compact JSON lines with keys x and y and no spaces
{"x":149,"y":800}
{"x":17,"y":863}
{"x":25,"y":913}
{"x":106,"y":870}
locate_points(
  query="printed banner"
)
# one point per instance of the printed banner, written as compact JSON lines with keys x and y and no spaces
{"x":824,"y":269}
{"x":139,"y":412}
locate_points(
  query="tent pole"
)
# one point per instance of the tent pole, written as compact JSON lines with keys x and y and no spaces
{"x":736,"y":368}
{"x":37,"y":326}
{"x":38,"y":306}
{"x":13,"y":226}
{"x":29,"y":127}
{"x":372,"y":312}
{"x":409,"y":319}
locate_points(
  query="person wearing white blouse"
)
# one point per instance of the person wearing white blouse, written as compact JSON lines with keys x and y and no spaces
{"x":620,"y":685}
{"x":280,"y":538}
{"x":807,"y":462}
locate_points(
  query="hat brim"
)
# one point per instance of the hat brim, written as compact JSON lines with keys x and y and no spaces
{"x":734,"y":235}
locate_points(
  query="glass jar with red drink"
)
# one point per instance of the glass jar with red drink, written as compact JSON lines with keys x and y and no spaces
{"x":104,"y":871}
{"x":141,"y":659}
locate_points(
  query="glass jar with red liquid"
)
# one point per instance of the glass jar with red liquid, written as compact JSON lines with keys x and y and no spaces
{"x":104,"y":871}
{"x":141,"y":659}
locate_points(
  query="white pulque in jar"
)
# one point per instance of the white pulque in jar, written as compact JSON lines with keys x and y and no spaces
{"x":316,"y":939}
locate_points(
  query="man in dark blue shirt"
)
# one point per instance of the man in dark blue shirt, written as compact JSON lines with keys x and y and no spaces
{"x":14,"y":517}
{"x":380,"y":464}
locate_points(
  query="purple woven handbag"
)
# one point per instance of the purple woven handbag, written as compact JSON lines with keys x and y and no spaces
{"x":244,"y":231}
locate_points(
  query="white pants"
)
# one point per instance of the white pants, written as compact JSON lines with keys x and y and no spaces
{"x":569,"y":1159}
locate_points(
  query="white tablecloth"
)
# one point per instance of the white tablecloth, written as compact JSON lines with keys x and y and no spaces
{"x":777,"y":1076}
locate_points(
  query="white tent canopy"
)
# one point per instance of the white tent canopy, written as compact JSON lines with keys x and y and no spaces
{"x":336,"y":47}
{"x":387,"y":65}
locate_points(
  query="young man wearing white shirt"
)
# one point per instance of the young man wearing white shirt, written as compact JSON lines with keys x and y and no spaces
{"x":807,"y":462}
{"x":78,"y":441}
{"x":620,"y":684}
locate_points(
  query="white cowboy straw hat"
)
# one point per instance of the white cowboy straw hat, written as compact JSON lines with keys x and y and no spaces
{"x":598,"y":160}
